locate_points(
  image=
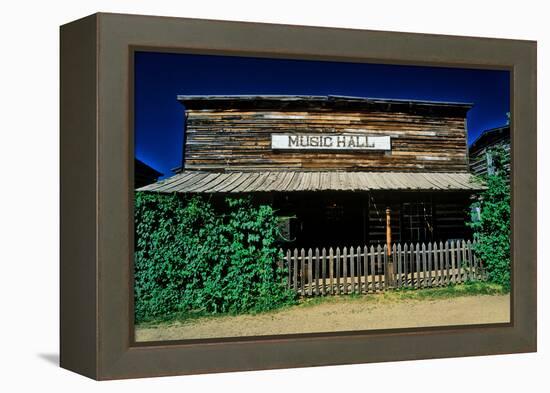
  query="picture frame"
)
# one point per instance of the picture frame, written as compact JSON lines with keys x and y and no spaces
{"x":96,"y":198}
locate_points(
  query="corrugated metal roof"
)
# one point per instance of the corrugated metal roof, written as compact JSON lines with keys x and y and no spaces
{"x":291,"y":181}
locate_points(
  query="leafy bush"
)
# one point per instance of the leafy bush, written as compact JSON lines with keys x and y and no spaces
{"x":492,"y":229}
{"x":190,"y":256}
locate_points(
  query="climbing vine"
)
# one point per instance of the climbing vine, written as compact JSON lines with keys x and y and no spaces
{"x":491,"y":226}
{"x":193,"y":257}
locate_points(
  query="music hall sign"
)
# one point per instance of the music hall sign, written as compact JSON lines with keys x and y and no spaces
{"x":329,"y":142}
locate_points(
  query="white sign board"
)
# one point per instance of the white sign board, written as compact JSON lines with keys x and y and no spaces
{"x":329,"y":142}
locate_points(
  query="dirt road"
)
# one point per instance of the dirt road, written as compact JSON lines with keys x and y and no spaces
{"x":340,"y":314}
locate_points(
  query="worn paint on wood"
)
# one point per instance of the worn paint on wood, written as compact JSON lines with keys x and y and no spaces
{"x":290,"y":181}
{"x":228,"y":135}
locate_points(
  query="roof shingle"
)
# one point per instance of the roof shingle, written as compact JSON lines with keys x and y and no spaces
{"x":292,"y":181}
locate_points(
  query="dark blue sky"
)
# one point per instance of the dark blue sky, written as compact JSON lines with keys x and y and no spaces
{"x":160,"y":77}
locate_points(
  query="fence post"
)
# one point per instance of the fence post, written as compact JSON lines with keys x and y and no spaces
{"x":447,"y":264}
{"x":424,"y":265}
{"x":372,"y":268}
{"x":418,"y":264}
{"x":331,"y":269}
{"x":302,"y":271}
{"x":289,"y":267}
{"x":379,"y":276}
{"x":442,"y":264}
{"x":430,"y":259}
{"x":324,"y":270}
{"x":337,"y":270}
{"x":358,"y":271}
{"x":394,"y":260}
{"x":345,"y":270}
{"x":453,"y":262}
{"x":437,"y":267}
{"x":316,"y":272}
{"x":281,"y":266}
{"x":385,"y":275}
{"x":309,"y":273}
{"x":390,"y":272}
{"x":406,"y":259}
{"x":399,"y":266}
{"x":295,"y":271}
{"x":366,"y":267}
{"x":459,"y":261}
{"x":464,"y":262}
{"x":352,"y":269}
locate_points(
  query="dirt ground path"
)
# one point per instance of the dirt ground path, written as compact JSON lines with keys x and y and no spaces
{"x":340,"y":314}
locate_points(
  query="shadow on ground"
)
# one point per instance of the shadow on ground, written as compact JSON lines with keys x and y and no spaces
{"x":52,"y":358}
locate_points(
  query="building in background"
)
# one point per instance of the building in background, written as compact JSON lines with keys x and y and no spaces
{"x":144,"y":174}
{"x":481,"y":161}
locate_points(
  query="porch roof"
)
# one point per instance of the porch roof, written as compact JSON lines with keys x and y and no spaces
{"x":292,"y":181}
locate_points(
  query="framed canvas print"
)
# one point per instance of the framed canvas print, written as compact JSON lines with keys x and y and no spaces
{"x":241,"y":196}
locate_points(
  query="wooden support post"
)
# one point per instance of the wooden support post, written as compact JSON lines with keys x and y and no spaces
{"x":390,"y":274}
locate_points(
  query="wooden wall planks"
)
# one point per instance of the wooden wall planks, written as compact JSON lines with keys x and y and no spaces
{"x":233,"y":140}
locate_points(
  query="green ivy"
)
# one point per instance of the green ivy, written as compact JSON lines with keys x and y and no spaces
{"x":492,"y":228}
{"x":193,"y":257}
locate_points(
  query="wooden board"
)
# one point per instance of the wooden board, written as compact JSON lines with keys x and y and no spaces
{"x":225,"y":139}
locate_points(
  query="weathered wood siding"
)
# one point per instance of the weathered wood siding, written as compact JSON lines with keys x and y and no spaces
{"x":481,"y":160}
{"x":239,"y":140}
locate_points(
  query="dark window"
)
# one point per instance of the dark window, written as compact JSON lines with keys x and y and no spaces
{"x":417,"y":222}
{"x":334,"y":212}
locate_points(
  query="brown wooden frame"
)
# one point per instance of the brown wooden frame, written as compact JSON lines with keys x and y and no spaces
{"x":96,"y":196}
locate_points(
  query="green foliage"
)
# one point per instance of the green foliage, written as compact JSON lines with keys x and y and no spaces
{"x":492,"y":230}
{"x":193,"y":257}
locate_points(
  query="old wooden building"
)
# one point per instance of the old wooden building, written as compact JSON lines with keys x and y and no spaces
{"x":144,"y":174}
{"x":332,"y":165}
{"x":481,"y":158}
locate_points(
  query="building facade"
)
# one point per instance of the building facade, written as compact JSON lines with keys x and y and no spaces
{"x":333,"y":166}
